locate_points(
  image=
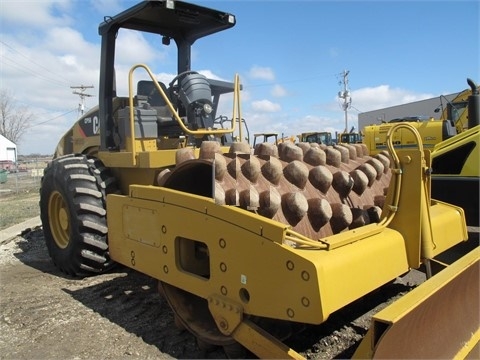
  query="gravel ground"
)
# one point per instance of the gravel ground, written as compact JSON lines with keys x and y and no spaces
{"x":120,"y":315}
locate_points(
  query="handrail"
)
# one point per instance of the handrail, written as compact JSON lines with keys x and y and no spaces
{"x":236,"y":106}
{"x":174,"y":113}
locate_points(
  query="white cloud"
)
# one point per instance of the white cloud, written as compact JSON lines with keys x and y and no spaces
{"x":278,"y":91}
{"x":49,"y":55}
{"x":70,"y":47}
{"x":265,"y":106}
{"x":209,"y":74}
{"x":382,"y":96}
{"x":263,"y":73}
{"x":287,"y":125}
{"x":132,"y":47}
{"x":34,"y":14}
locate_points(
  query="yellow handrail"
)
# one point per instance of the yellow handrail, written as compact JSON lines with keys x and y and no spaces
{"x":172,"y":109}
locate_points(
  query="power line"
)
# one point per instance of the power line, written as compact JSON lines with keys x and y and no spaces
{"x":30,"y":71}
{"x":353,"y":107}
{"x":33,"y":62}
{"x":56,"y":117}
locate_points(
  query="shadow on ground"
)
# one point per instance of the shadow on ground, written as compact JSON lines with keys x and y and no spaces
{"x":123,"y":296}
{"x":130,"y":300}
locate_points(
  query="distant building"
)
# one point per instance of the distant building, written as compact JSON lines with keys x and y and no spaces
{"x":8,"y":153}
{"x":422,"y":108}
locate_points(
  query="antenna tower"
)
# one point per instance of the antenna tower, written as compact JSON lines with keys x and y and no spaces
{"x":345,"y":95}
{"x":81,"y":92}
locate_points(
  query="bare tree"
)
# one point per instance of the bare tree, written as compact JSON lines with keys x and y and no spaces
{"x":15,"y":119}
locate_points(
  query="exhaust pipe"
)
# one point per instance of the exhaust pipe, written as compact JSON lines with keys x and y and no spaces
{"x":473,"y":105}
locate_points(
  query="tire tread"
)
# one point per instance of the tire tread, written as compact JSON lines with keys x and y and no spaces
{"x":84,"y":183}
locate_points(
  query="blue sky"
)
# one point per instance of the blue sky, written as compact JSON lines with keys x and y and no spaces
{"x":289,"y":55}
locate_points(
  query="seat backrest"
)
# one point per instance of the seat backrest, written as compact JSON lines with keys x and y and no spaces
{"x":147,"y":88}
{"x":155,"y":99}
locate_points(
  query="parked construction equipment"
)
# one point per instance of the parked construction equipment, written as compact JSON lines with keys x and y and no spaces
{"x":247,"y":245}
{"x":454,"y":120}
{"x":323,"y":137}
{"x":456,"y":163}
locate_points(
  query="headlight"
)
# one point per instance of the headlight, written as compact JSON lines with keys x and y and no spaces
{"x":207,"y":108}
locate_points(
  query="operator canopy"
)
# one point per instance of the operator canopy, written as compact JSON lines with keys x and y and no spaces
{"x":172,"y":19}
{"x":177,"y":20}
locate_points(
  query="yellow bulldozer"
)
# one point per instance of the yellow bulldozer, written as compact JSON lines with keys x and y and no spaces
{"x":248,"y":245}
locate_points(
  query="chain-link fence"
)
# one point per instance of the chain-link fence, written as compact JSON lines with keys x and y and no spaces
{"x":22,"y":177}
{"x":19,"y":190}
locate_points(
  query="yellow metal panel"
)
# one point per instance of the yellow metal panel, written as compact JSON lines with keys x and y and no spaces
{"x":447,"y":224}
{"x":247,"y":260}
{"x":116,"y":159}
{"x":239,"y":258}
{"x":376,"y":135}
{"x":407,"y":218}
{"x":470,"y":168}
{"x":154,"y":159}
{"x":438,"y":319}
{"x":269,"y":229}
{"x":144,"y":159}
{"x":141,"y":221}
{"x":349,"y":272}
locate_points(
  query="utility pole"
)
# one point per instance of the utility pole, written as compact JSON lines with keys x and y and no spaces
{"x":345,"y":95}
{"x":81,"y":92}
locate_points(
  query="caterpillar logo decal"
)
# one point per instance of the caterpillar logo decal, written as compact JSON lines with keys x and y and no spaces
{"x":90,"y":126}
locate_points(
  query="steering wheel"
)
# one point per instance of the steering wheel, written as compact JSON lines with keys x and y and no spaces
{"x":182,"y":74}
{"x":176,"y":78}
{"x":172,"y":88}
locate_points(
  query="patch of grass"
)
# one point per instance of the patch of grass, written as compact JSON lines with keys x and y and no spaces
{"x":15,"y":208}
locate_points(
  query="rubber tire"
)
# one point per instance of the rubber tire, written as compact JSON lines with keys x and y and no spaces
{"x":73,"y":213}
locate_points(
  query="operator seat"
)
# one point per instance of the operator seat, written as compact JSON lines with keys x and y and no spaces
{"x":167,"y":125}
{"x":146,"y":88}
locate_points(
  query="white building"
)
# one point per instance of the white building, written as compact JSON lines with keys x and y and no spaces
{"x":422,"y":108}
{"x":8,"y":150}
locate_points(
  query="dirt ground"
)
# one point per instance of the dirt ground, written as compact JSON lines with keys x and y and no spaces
{"x":119,"y":315}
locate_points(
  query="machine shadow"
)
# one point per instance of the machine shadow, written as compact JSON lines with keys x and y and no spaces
{"x":131,"y":300}
{"x":125,"y":297}
{"x":34,"y":252}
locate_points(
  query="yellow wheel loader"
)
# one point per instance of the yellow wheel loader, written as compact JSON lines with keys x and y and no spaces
{"x":248,"y":245}
{"x":456,"y":163}
{"x":457,"y":110}
{"x":456,"y":118}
